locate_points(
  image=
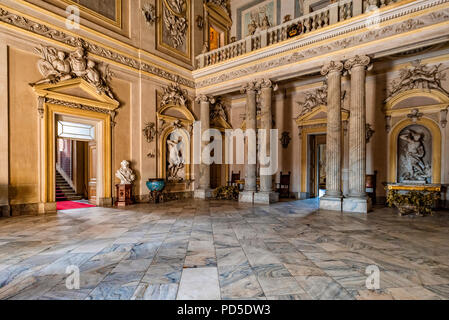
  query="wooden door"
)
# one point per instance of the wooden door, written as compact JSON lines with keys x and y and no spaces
{"x":92,"y":172}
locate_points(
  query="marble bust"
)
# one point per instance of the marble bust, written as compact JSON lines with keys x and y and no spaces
{"x":125,"y":174}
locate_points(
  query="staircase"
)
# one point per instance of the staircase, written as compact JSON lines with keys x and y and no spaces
{"x":64,"y":191}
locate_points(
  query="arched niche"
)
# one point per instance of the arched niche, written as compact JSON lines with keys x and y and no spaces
{"x":175,"y":120}
{"x":416,"y":107}
{"x":394,"y":142}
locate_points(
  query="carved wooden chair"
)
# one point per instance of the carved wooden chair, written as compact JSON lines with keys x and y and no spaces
{"x":235,"y":177}
{"x":284,"y":185}
{"x":371,"y":185}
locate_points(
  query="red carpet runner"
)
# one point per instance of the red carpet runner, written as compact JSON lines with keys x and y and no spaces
{"x":70,"y":205}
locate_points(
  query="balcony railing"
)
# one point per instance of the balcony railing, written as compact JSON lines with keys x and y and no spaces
{"x":334,"y":13}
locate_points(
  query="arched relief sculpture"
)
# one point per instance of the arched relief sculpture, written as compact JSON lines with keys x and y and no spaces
{"x":57,"y":66}
{"x":415,"y":155}
{"x":175,"y":21}
{"x":419,"y":76}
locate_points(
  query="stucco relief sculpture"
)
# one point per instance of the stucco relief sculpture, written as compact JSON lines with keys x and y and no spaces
{"x":218,"y":110}
{"x":221,"y":3}
{"x":149,"y":131}
{"x":125,"y":174}
{"x":56,"y":66}
{"x":313,"y":99}
{"x":175,"y":21}
{"x":175,"y":159}
{"x":419,"y":76}
{"x":149,"y":12}
{"x":173,"y":94}
{"x":415,"y":155}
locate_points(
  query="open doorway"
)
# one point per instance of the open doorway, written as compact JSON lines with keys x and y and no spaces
{"x":317,"y":145}
{"x":75,"y":164}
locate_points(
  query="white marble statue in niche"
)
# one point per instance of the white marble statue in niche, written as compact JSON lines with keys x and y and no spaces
{"x":125,"y":174}
{"x":415,"y":155}
{"x":175,"y":157}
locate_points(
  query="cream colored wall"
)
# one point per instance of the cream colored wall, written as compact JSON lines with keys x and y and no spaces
{"x":23,"y":122}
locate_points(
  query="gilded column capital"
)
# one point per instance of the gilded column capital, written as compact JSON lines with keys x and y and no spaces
{"x":333,"y":66}
{"x":250,"y":86}
{"x":358,"y":61}
{"x":205,"y":98}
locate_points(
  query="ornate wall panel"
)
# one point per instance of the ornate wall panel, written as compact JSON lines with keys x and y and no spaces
{"x":108,"y":9}
{"x":174,"y":28}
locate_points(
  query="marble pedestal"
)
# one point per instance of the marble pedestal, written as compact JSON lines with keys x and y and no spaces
{"x":266,"y":197}
{"x":331,"y":203}
{"x":203,"y":194}
{"x":357,"y":205}
{"x":247,"y":196}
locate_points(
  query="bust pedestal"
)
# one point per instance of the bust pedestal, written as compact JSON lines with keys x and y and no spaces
{"x":124,"y":195}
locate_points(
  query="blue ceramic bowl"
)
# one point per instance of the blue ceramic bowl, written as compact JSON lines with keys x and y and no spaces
{"x":156,"y":184}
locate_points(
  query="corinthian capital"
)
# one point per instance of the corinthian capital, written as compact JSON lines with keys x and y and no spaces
{"x":266,"y":84}
{"x":251,"y":86}
{"x":333,"y":66}
{"x":205,"y":98}
{"x":358,"y":61}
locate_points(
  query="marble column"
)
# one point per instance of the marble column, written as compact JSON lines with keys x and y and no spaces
{"x":266,"y":195}
{"x":333,"y":197}
{"x":4,"y":130}
{"x":357,"y":201}
{"x":204,"y":191}
{"x":251,"y":90}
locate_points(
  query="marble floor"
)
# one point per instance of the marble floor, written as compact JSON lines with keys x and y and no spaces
{"x":223,"y":250}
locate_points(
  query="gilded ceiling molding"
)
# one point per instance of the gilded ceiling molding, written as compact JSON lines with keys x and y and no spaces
{"x":60,"y":36}
{"x":328,"y":47}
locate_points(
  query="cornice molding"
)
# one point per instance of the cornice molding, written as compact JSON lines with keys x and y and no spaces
{"x":278,"y":56}
{"x":29,"y":25}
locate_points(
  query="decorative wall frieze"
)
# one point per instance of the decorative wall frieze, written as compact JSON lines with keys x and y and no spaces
{"x":330,"y":45}
{"x":57,"y":102}
{"x":62,"y":37}
{"x":419,"y":76}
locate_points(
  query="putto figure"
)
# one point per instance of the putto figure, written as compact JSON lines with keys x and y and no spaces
{"x":125,"y":174}
{"x":55,"y":66}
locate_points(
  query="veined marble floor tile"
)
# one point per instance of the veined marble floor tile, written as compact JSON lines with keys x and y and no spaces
{"x":324,"y":288}
{"x":289,"y":250}
{"x":199,"y":284}
{"x":155,"y":292}
{"x":239,"y":281}
{"x":280,"y":286}
{"x":413,"y":293}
